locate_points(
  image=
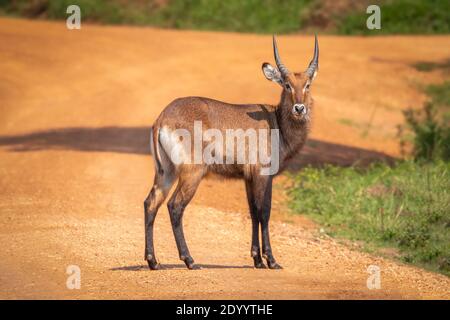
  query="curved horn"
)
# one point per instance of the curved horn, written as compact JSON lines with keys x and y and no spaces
{"x":283,"y":70}
{"x":314,"y":64}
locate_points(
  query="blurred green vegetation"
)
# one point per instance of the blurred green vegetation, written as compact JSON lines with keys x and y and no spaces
{"x":428,"y":129}
{"x":101,"y":11}
{"x":440,"y":94}
{"x":405,"y":207}
{"x":426,"y":66}
{"x":257,"y":16}
{"x":260,"y":16}
{"x":402,"y":17}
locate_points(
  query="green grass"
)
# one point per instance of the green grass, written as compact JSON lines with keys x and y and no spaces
{"x":427,"y":130}
{"x":256,"y":16}
{"x":427,"y":66}
{"x":439,"y":94}
{"x":266,"y":16}
{"x":94,"y":10}
{"x":402,"y":17}
{"x":101,"y":11}
{"x":406,"y":207}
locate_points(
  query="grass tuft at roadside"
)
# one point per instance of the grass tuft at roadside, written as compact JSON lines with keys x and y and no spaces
{"x":406,"y":207}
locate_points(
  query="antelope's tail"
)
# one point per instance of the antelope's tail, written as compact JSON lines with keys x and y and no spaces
{"x":155,"y":149}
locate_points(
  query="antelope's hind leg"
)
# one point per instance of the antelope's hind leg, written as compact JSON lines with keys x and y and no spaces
{"x":161,"y":187}
{"x":183,"y":194}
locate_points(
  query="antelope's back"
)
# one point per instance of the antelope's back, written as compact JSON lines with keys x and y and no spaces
{"x":214,"y":114}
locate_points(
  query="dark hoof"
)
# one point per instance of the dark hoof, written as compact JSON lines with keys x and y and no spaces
{"x":260,"y":265}
{"x":190,"y":263}
{"x":193,"y":267}
{"x":154,"y":265}
{"x":275,"y":266}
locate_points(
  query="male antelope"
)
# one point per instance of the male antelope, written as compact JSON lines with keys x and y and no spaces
{"x":291,"y":117}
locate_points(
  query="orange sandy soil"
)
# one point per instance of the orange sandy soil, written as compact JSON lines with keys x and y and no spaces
{"x":75,"y":168}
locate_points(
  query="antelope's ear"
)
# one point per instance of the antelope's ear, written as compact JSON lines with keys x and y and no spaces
{"x":271,"y":73}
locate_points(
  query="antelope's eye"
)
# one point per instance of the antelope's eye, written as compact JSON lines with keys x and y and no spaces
{"x":307,"y":86}
{"x":288,"y":86}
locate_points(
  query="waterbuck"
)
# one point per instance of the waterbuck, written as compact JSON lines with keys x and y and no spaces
{"x":172,"y":149}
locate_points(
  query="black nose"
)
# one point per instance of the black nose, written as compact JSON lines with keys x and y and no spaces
{"x":299,"y":108}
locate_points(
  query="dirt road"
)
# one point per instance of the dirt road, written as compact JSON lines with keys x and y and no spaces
{"x":75,"y":168}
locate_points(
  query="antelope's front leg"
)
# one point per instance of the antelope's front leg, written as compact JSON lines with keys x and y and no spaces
{"x":255,"y":250}
{"x":262,"y":192}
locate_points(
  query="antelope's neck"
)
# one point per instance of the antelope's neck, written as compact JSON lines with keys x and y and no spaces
{"x":293,"y":134}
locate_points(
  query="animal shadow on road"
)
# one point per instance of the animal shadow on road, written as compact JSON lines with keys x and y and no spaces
{"x":143,"y":267}
{"x":136,"y":140}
